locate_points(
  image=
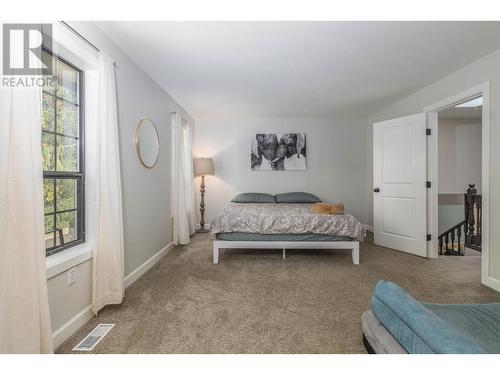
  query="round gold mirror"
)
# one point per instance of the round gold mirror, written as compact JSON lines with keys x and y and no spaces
{"x":147,"y":143}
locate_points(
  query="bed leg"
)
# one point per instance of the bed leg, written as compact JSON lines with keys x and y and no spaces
{"x":284,"y":254}
{"x":215,"y":253}
{"x":355,"y":253}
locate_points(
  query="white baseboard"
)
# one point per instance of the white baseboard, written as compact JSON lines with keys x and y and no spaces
{"x":368,"y":227}
{"x":492,"y":283}
{"x":146,"y":266}
{"x":71,"y":326}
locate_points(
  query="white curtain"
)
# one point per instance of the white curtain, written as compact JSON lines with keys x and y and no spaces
{"x":183,"y":201}
{"x":24,"y":308}
{"x":191,"y":201}
{"x":108,"y":270}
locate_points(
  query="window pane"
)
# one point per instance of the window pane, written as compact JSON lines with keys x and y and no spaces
{"x":49,"y":240}
{"x":67,"y":154}
{"x":48,"y":151}
{"x":49,"y":223}
{"x":66,"y":194}
{"x":57,"y":238}
{"x":48,"y":112}
{"x":67,"y":82}
{"x":67,"y":222}
{"x":48,"y":195}
{"x":49,"y":60}
{"x":67,"y":118}
{"x":61,"y":153}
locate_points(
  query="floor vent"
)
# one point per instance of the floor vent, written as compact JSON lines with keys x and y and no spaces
{"x":93,"y":338}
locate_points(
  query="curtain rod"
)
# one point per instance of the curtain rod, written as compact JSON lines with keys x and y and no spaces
{"x":84,"y":39}
{"x":182,"y":118}
{"x":81,"y":36}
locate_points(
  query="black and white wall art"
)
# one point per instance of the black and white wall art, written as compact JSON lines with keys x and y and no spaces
{"x":278,"y":152}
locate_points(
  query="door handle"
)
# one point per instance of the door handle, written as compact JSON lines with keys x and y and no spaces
{"x":376,"y":190}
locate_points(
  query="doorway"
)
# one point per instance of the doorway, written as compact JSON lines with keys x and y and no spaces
{"x":459,"y":134}
{"x":398,"y":222}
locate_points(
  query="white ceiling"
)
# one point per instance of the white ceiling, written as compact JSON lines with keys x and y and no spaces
{"x":298,"y":69}
{"x":463,"y":113}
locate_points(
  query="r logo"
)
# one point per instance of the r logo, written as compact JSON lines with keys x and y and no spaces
{"x":22,"y":53}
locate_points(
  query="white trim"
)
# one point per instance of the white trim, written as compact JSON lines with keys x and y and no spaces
{"x":433,"y":192}
{"x":485,"y":189}
{"x":63,"y":261}
{"x":484,"y":90}
{"x":71,"y":326}
{"x":368,"y":227}
{"x":314,"y":245}
{"x":147,"y":265}
{"x":460,"y":97}
{"x":491,"y":282}
{"x":68,"y":46}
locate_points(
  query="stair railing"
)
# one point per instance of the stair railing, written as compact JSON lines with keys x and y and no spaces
{"x":473,"y":211}
{"x":450,"y":241}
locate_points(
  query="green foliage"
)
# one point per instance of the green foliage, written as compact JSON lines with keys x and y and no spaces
{"x":48,"y":194}
{"x":48,"y":112}
{"x":66,"y":194}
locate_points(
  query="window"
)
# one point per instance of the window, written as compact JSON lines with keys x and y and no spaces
{"x":63,"y":157}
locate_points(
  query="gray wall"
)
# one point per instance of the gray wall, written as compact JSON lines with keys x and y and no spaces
{"x":459,"y":156}
{"x":336,"y":161}
{"x":449,"y":216}
{"x":146,"y":192}
{"x":485,"y":69}
{"x":459,"y":145}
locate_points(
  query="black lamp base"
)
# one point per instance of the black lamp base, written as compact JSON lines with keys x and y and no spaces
{"x":202,"y":230}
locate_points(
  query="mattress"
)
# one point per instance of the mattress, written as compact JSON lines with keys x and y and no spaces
{"x":284,"y":219}
{"x":241,"y":236}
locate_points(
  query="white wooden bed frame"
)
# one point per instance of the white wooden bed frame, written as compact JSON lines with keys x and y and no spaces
{"x":314,"y":245}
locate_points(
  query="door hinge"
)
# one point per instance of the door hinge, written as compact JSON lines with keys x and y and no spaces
{"x":429,"y":237}
{"x":427,"y":131}
{"x":428,"y":184}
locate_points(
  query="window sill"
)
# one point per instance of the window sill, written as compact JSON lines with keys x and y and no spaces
{"x":67,"y":259}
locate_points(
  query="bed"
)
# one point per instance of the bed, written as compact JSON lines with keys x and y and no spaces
{"x":272,"y":225}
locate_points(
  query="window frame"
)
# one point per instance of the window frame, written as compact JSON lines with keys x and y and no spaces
{"x":78,"y":176}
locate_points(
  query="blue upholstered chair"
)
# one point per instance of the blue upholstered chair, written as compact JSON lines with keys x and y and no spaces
{"x":398,"y":323}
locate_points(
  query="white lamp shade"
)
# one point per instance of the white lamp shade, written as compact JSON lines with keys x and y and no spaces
{"x":203,"y":166}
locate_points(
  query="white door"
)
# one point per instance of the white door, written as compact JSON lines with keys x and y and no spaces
{"x":399,"y":184}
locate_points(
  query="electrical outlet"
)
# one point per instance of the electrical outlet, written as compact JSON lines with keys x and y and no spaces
{"x":72,"y":276}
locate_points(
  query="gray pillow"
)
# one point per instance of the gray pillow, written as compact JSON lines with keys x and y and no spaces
{"x":253,"y":198}
{"x":296,"y":197}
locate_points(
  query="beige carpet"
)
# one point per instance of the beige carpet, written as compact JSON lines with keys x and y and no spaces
{"x":254,"y":302}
